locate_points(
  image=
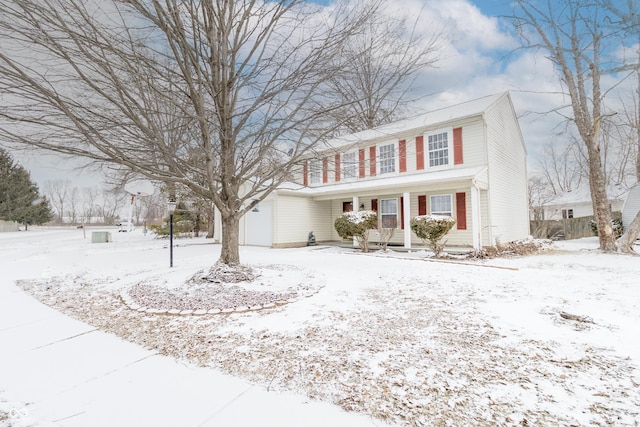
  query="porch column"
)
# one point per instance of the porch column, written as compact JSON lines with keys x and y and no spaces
{"x":476,"y":226}
{"x":406,"y":206}
{"x":356,"y":208}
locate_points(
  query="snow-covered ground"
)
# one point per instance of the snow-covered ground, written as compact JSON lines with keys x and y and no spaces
{"x":547,"y":339}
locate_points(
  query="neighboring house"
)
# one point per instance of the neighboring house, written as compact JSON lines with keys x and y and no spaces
{"x":467,"y":161}
{"x":577,"y":203}
{"x":631,"y":205}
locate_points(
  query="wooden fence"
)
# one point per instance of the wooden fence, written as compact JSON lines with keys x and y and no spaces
{"x":565,"y":229}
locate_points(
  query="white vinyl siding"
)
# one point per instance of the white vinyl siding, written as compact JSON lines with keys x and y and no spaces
{"x":631,"y":205}
{"x":297,"y":216}
{"x":506,"y":155}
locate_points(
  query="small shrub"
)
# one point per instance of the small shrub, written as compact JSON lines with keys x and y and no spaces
{"x":356,"y":224}
{"x":431,"y":229}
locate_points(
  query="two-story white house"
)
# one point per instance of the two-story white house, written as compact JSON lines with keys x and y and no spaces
{"x":466,"y":160}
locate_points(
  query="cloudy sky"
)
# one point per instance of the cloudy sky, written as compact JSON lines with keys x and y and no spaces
{"x":482,"y":59}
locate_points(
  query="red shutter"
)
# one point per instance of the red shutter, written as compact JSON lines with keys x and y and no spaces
{"x":422,"y":205}
{"x":420,"y":152}
{"x":457,"y":146}
{"x":305,"y":173}
{"x":374,"y":207}
{"x":402,"y":150}
{"x":337,"y":167}
{"x":325,"y":170}
{"x":361,"y":162}
{"x":402,"y":213}
{"x":372,"y":161}
{"x":461,"y":211}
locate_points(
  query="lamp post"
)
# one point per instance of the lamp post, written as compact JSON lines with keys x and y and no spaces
{"x":171,"y":207}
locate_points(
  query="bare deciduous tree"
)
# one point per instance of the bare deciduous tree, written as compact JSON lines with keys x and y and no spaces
{"x":112,"y":202}
{"x":241,"y":84}
{"x":58,"y":193}
{"x":571,"y":34}
{"x":89,"y":198}
{"x":73,"y":201}
{"x":561,"y":167}
{"x":384,"y":60}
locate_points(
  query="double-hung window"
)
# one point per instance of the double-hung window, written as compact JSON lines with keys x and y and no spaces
{"x":389,"y":213}
{"x":315,"y":171}
{"x":441,"y":204}
{"x":387,"y":155}
{"x":349,"y":165}
{"x":567,"y":213}
{"x":439,"y":149}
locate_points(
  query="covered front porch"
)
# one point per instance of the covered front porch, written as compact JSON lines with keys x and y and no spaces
{"x":460,"y":193}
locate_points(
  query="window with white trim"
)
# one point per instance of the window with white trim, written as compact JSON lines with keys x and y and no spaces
{"x":349,"y":165}
{"x":315,"y":171}
{"x":387,"y":158}
{"x":441,"y":204}
{"x":439,"y":149}
{"x":389,"y":213}
{"x":567,"y":213}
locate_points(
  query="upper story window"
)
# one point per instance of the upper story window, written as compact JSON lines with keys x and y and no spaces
{"x":441,"y":204}
{"x":315,"y":171}
{"x":439,"y":149}
{"x":387,"y":154}
{"x":349,"y":165}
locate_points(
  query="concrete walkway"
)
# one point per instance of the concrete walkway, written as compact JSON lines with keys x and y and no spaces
{"x":56,"y":371}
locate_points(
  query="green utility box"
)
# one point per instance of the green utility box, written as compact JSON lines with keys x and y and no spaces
{"x":100,"y":237}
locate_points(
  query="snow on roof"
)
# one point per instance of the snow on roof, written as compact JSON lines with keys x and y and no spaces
{"x":582,"y":194}
{"x":458,"y":111}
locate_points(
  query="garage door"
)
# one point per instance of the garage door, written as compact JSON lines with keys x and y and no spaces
{"x":259,"y":223}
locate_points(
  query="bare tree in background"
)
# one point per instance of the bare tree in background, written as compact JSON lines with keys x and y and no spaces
{"x":58,"y":193}
{"x":574,"y":39}
{"x":73,"y":204}
{"x":245,"y":84}
{"x":561,"y":167}
{"x":628,"y":128}
{"x":618,"y":154}
{"x":89,"y":198}
{"x":626,"y":17}
{"x":384,"y":60}
{"x":112,"y":203}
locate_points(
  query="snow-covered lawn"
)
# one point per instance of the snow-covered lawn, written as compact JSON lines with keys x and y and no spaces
{"x":548,"y":339}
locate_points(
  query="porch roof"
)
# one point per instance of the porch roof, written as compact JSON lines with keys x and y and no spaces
{"x":398,"y":182}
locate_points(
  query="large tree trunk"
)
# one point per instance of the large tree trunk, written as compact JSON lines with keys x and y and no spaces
{"x":601,"y":208}
{"x":625,"y":242}
{"x":230,"y":253}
